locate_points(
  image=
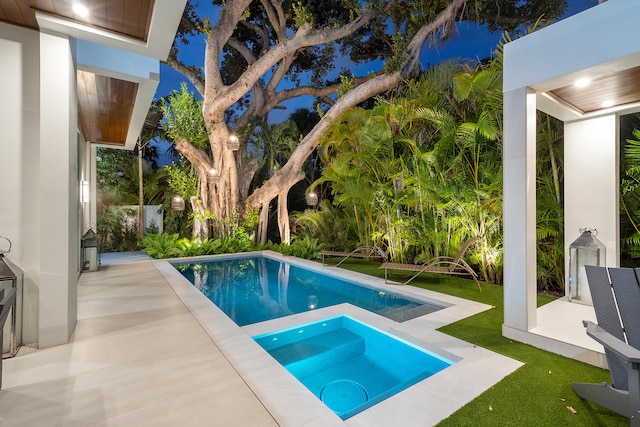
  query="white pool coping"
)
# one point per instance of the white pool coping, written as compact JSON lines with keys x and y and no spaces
{"x":292,"y":404}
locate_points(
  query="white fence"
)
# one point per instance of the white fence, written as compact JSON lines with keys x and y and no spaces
{"x":153,"y":217}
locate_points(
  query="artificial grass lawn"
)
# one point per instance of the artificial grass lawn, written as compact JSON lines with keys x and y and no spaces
{"x":538,"y":393}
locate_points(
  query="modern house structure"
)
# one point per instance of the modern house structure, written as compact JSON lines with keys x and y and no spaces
{"x":585,"y":71}
{"x":72,"y":79}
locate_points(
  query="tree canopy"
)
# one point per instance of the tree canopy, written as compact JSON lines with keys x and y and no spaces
{"x":259,"y":54}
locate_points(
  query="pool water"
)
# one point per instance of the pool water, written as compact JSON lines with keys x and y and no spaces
{"x":348,"y":365}
{"x":256,"y":288}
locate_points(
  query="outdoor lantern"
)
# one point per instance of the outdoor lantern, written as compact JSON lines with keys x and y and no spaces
{"x":11,"y":278}
{"x":585,"y":250}
{"x":312,"y":199}
{"x":177,"y":203}
{"x":89,"y":244}
{"x":233,"y":143}
{"x":213,"y":175}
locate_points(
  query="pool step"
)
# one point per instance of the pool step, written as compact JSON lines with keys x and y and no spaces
{"x":319,"y":352}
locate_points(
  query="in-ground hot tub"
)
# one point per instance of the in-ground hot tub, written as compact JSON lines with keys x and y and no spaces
{"x":349,"y":365}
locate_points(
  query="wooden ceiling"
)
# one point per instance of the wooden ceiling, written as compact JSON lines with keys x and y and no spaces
{"x":620,"y":88}
{"x":126,"y":17}
{"x":105,"y":104}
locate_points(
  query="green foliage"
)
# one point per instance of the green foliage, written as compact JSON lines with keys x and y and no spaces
{"x":115,"y":233}
{"x":160,"y":245}
{"x":302,"y":15}
{"x":305,"y":247}
{"x":183,"y":118}
{"x":346,"y":84}
{"x":172,"y":246}
{"x":420,"y":173}
{"x":630,"y":198}
{"x":181,"y":179}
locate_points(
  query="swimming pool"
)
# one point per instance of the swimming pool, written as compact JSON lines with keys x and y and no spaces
{"x":254,"y":289}
{"x":291,"y":403}
{"x":348,"y":365}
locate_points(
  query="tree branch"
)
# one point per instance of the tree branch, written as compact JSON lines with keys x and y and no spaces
{"x":187,"y":72}
{"x":242,"y":50}
{"x":304,"y":37}
{"x":291,"y":172}
{"x":444,"y":21}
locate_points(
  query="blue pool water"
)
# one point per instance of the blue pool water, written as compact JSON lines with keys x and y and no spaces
{"x":348,"y":365}
{"x":256,"y":288}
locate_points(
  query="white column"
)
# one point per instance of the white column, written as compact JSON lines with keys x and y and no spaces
{"x":591,"y":183}
{"x":59,"y":191}
{"x":519,"y":169}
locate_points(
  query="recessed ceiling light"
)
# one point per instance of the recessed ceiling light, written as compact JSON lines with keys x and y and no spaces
{"x":80,"y":10}
{"x":606,"y":104}
{"x":583,"y":82}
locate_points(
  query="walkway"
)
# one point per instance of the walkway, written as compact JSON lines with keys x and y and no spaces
{"x":137,"y":358}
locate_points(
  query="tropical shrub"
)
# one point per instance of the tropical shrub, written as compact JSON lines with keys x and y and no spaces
{"x":115,"y":232}
{"x":166,"y":245}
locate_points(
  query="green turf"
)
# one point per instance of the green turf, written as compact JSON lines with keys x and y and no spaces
{"x":538,"y":393}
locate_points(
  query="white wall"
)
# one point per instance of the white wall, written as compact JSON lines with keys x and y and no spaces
{"x":59,"y":191}
{"x":519,"y":209}
{"x":20,"y":160}
{"x":39,"y":160}
{"x":591,"y":183}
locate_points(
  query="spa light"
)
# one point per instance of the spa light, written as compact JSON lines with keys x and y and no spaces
{"x":583,"y":82}
{"x":606,"y":104}
{"x":80,"y":10}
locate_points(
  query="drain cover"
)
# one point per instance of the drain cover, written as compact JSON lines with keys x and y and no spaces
{"x":343,"y":395}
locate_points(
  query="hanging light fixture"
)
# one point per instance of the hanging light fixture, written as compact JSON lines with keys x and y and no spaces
{"x":312,"y":199}
{"x":213,"y":175}
{"x":177,"y":203}
{"x":233,"y":143}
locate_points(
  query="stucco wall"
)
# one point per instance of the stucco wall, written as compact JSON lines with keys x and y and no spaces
{"x":20,"y":159}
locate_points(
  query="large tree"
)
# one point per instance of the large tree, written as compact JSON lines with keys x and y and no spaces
{"x":261,"y":53}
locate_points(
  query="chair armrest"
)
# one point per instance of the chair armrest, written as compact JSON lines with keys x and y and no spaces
{"x":620,"y":348}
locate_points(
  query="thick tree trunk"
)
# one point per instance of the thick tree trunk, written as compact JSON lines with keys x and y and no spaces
{"x":283,"y":217}
{"x":264,"y":222}
{"x":200,"y":228}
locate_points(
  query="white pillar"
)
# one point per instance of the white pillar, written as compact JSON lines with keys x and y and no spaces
{"x":59,"y":191}
{"x":519,"y":169}
{"x":591,"y":183}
